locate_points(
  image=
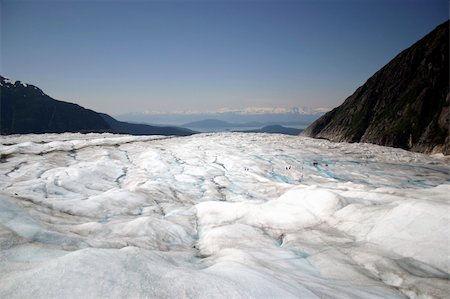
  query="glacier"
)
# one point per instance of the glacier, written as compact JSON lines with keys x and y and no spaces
{"x":220,"y":215}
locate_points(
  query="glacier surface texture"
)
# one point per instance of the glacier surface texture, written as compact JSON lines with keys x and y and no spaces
{"x":222,"y":215}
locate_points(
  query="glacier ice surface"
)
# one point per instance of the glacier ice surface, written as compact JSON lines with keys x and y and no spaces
{"x":223,"y":215}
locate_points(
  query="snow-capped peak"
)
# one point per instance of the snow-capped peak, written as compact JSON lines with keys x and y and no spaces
{"x":8,"y":82}
{"x":241,"y":111}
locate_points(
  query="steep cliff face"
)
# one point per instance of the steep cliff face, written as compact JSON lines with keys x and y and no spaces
{"x":405,"y":104}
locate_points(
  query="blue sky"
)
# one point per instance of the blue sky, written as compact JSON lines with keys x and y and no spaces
{"x":125,"y":56}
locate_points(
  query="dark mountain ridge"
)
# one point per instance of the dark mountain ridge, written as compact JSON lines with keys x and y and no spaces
{"x":404,"y":104}
{"x":122,"y":127}
{"x":26,"y":109}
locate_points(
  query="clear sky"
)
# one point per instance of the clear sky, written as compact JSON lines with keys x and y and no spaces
{"x":125,"y":56}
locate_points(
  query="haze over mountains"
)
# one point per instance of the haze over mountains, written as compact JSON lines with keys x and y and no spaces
{"x":261,"y":115}
{"x":405,"y":104}
{"x":215,"y":125}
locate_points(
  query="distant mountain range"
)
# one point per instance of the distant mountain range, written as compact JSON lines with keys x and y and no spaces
{"x":249,"y":116}
{"x":405,"y":104}
{"x":220,"y":124}
{"x":209,"y":125}
{"x":27,"y":109}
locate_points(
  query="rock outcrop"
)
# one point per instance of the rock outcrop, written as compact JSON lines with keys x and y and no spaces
{"x":405,"y":104}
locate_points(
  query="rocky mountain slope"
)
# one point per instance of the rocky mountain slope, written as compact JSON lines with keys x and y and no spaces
{"x":405,"y":104}
{"x":27,"y":109}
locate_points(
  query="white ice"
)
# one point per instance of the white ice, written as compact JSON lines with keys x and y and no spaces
{"x":223,"y":215}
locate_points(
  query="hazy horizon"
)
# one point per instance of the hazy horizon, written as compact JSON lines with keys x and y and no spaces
{"x":120,"y":57}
